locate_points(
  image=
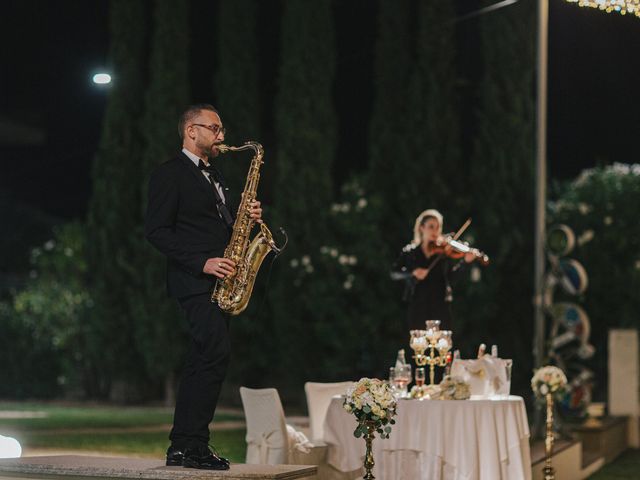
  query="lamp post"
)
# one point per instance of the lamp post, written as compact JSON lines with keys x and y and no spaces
{"x":541,"y":178}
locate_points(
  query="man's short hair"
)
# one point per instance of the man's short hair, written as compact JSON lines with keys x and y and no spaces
{"x":190,"y":113}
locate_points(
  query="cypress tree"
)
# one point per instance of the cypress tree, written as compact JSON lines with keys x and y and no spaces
{"x":155,"y":317}
{"x":503,"y":189}
{"x":238,"y":92}
{"x":239,"y":85}
{"x":112,"y":214}
{"x":433,"y":165}
{"x":306,"y":130}
{"x":391,"y":155}
{"x":414,"y":138}
{"x":414,"y":134}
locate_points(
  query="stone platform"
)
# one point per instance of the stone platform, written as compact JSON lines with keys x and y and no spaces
{"x":76,"y":467}
{"x":606,"y":436}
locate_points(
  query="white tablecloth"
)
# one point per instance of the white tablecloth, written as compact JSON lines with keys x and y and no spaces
{"x":439,"y":440}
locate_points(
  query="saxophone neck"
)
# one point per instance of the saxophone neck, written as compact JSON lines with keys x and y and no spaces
{"x":255,"y":146}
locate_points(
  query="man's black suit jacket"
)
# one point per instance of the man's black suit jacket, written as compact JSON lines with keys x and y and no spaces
{"x":182,"y":221}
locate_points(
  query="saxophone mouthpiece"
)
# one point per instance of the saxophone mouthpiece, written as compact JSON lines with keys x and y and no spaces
{"x":222,"y":148}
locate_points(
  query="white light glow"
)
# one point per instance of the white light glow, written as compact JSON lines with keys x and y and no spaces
{"x":620,"y":6}
{"x":102,"y":78}
{"x":9,"y":447}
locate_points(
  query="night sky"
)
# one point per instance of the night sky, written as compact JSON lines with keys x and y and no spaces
{"x":50,"y":112}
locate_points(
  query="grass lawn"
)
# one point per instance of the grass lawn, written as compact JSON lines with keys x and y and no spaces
{"x":626,"y":466}
{"x":135,"y":431}
{"x":228,"y":443}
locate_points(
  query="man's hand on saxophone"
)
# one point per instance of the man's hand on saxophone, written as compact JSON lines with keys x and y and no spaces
{"x":255,"y":211}
{"x":219,"y":266}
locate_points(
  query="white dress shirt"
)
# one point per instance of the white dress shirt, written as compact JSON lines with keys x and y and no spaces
{"x":195,"y":159}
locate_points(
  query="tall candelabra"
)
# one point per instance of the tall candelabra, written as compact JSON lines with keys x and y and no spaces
{"x":437,"y":341}
{"x":548,"y":471}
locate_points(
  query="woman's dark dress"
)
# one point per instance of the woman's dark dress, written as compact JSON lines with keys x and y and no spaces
{"x":429,"y":299}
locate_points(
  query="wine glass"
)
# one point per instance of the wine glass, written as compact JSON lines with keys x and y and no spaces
{"x":508,"y":365}
{"x":392,"y":379}
{"x":403,"y":378}
{"x":419,"y":376}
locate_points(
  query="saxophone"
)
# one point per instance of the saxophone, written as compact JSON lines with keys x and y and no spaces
{"x":232,"y":293}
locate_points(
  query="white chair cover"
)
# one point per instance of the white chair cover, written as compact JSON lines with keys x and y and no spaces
{"x":267,"y":438}
{"x":319,"y":397}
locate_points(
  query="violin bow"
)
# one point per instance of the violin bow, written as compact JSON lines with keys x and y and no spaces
{"x":461,"y":230}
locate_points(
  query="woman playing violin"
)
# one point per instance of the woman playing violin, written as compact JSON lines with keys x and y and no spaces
{"x":427,"y":270}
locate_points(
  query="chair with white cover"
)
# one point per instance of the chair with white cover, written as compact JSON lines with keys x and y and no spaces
{"x":319,"y":397}
{"x":269,"y":439}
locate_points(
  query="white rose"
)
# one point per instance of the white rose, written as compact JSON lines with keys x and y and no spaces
{"x":583,"y":208}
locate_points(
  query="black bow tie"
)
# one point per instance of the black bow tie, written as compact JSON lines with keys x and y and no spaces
{"x":211,"y":170}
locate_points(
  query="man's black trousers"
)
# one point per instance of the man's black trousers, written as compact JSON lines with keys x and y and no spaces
{"x":204,"y":372}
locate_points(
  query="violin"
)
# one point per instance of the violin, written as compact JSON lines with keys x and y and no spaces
{"x":449,"y":246}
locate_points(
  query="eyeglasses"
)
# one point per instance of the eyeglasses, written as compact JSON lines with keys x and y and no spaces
{"x":216,"y":129}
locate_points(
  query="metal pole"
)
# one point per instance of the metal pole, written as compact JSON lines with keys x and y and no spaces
{"x":541,"y":179}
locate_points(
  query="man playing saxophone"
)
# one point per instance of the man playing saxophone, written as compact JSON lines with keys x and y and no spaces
{"x":189,"y":220}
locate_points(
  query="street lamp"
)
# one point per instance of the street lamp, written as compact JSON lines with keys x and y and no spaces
{"x":101,"y":78}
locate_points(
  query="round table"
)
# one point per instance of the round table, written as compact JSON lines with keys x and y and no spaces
{"x":475,"y":439}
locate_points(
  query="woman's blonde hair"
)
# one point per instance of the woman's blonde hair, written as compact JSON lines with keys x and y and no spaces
{"x":429,"y":213}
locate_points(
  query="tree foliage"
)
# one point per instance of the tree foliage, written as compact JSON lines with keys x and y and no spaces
{"x":600,"y":206}
{"x":50,"y":342}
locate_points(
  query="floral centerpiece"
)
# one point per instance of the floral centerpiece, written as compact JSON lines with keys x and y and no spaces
{"x":425,"y":391}
{"x":373,"y":404}
{"x":454,"y":388}
{"x":371,"y":401}
{"x":548,"y":380}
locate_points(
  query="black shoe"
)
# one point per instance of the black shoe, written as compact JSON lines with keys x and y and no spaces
{"x":204,"y":458}
{"x":174,"y":456}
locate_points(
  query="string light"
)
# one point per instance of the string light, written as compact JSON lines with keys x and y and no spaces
{"x":620,"y":6}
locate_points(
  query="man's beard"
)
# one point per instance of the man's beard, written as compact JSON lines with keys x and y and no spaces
{"x":209,"y":150}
